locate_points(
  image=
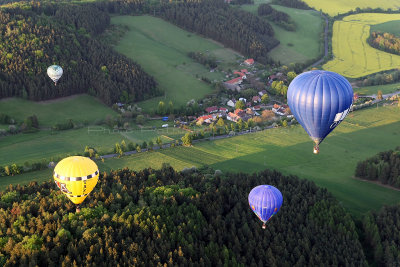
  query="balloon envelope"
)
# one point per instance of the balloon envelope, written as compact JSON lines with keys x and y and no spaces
{"x":319,"y":100}
{"x":76,"y":177}
{"x":54,"y":72}
{"x":265,"y":201}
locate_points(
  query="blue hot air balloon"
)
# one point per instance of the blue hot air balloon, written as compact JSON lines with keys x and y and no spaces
{"x":319,"y":100}
{"x":265,"y":201}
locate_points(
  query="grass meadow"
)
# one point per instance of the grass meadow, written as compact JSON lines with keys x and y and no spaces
{"x":300,"y":45}
{"x":45,"y":145}
{"x":161,"y":49}
{"x":353,"y":57}
{"x":391,"y":27}
{"x":79,"y":108}
{"x":289,"y":150}
{"x":336,"y":7}
{"x":386,"y":89}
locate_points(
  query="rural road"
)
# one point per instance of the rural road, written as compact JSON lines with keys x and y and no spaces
{"x":325,"y":43}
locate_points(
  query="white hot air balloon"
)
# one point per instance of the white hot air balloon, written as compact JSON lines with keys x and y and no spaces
{"x":54,"y":72}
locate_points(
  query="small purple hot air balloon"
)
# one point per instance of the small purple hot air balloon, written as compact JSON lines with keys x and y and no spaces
{"x":265,"y":201}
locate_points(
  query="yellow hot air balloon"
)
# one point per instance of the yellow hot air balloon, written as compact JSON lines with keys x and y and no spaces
{"x":76,"y":177}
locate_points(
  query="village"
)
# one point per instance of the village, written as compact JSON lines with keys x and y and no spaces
{"x":243,"y":109}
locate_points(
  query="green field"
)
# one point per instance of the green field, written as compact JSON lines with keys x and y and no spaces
{"x":352,"y":56}
{"x":391,"y":27}
{"x":289,"y":150}
{"x":386,"y":89}
{"x":336,"y":7}
{"x":45,"y":145}
{"x":80,"y":108}
{"x":300,"y":45}
{"x":161,"y":49}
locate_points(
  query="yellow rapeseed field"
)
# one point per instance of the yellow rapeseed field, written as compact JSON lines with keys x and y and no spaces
{"x":352,"y":56}
{"x":335,"y":7}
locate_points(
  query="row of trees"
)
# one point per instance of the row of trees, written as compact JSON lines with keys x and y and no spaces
{"x":292,"y":3}
{"x":384,"y":167}
{"x":381,"y":78}
{"x":280,"y":18}
{"x":208,"y":61}
{"x":385,"y":41}
{"x":157,"y":217}
{"x":32,"y":42}
{"x":235,"y":28}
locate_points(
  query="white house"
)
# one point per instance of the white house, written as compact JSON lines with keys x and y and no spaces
{"x":231,"y":103}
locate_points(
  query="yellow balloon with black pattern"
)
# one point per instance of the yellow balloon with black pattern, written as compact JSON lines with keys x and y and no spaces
{"x":76,"y":177}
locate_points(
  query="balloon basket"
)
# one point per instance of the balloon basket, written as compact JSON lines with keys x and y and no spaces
{"x":316,"y":150}
{"x":78,"y":209}
{"x":264,"y":226}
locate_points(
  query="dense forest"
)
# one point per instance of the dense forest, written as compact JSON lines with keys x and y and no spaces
{"x":385,"y":41}
{"x":235,"y":28}
{"x":292,"y":3}
{"x":157,"y":217}
{"x":31,"y":40}
{"x":280,"y":18}
{"x":382,"y":234}
{"x":384,"y":167}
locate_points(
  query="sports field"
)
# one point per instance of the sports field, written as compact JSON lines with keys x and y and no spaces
{"x":353,"y":57}
{"x":161,"y":49}
{"x":289,"y":150}
{"x":336,"y":7}
{"x":79,"y":108}
{"x":300,"y":45}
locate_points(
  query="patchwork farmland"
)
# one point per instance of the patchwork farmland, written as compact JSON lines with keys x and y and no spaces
{"x":336,"y":7}
{"x":353,"y":57}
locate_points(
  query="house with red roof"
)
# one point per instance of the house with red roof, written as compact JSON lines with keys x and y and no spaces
{"x":256,"y":99}
{"x":206,"y":118}
{"x":245,"y":71}
{"x":241,"y":74}
{"x":212,"y":109}
{"x":249,"y":62}
{"x":225,"y":110}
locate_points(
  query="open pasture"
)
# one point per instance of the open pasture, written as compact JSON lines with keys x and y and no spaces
{"x":371,"y":90}
{"x":295,"y":46}
{"x":353,"y":57}
{"x":289,"y":150}
{"x":390,"y":27}
{"x":161,"y":49}
{"x":333,"y":8}
{"x":79,"y":108}
{"x":361,"y":135}
{"x":45,"y":145}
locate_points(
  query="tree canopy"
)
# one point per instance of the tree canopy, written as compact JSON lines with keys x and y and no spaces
{"x":163,"y":216}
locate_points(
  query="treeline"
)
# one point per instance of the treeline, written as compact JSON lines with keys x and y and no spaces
{"x":292,"y":3}
{"x":203,"y":59}
{"x":237,"y":29}
{"x":164,"y":217}
{"x":241,"y":2}
{"x":31,"y":40}
{"x":381,"y":78}
{"x":382,"y":234}
{"x":385,"y":41}
{"x":384,"y":167}
{"x":280,"y":18}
